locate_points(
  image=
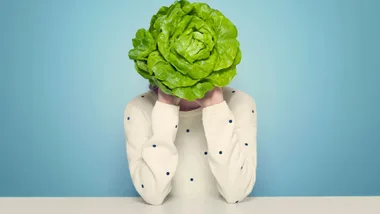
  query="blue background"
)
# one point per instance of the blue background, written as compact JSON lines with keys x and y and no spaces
{"x":312,"y":67}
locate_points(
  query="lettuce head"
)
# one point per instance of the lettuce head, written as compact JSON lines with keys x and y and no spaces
{"x":188,"y":50}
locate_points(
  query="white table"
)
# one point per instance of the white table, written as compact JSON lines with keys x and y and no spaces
{"x":270,"y":205}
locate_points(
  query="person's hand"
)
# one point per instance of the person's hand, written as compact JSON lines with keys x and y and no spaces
{"x":166,"y":98}
{"x":212,"y":97}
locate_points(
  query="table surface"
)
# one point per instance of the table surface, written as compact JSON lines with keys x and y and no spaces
{"x":131,"y":205}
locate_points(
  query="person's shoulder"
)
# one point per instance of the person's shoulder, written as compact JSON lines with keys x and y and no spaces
{"x":144,"y":102}
{"x":235,"y":97}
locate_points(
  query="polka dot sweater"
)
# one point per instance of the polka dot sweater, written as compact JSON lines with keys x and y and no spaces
{"x":203,"y":152}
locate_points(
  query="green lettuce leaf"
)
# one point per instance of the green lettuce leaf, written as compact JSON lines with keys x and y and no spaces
{"x":188,"y":50}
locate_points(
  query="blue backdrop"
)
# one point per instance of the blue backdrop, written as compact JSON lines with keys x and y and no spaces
{"x":312,"y":67}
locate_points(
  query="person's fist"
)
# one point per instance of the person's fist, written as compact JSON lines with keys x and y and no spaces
{"x":168,"y":99}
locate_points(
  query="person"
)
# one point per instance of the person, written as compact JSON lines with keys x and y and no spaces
{"x":201,"y":148}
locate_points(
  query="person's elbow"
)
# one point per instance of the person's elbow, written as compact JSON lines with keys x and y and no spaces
{"x":155,"y":197}
{"x":237,"y":193}
{"x":155,"y":201}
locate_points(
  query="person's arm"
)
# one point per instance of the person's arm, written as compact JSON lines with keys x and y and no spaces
{"x":152,"y":155}
{"x":231,"y":139}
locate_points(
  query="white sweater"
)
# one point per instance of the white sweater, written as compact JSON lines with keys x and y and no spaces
{"x":203,"y":152}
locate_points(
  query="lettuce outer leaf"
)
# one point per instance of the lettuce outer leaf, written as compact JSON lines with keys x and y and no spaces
{"x":194,"y":92}
{"x":222,"y":77}
{"x":143,"y":44}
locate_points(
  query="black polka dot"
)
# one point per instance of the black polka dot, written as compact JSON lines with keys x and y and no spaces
{"x":233,"y":91}
{"x":230,"y":121}
{"x":246,"y":144}
{"x":187,"y":130}
{"x":176,"y":126}
{"x":128,"y":118}
{"x":253,"y":111}
{"x":167,"y":173}
{"x":142,"y":185}
{"x":205,"y":153}
{"x":142,"y":96}
{"x":191,"y":179}
{"x":154,"y":145}
{"x":241,"y":167}
{"x":220,"y":152}
{"x":236,"y":202}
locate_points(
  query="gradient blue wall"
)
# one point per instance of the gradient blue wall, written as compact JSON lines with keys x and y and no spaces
{"x":312,"y":67}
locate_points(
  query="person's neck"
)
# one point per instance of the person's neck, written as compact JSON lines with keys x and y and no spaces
{"x":185,"y":105}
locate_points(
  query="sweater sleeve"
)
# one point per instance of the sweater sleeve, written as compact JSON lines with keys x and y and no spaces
{"x":231,"y":140}
{"x":151,"y":153}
